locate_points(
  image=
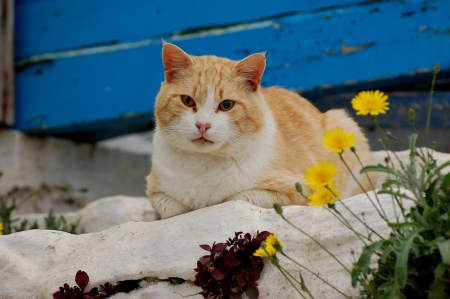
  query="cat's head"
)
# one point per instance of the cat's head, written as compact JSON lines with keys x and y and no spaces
{"x":209,"y":104}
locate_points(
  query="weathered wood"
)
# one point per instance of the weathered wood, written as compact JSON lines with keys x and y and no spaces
{"x":47,"y":26}
{"x":6,"y":63}
{"x":76,"y":81}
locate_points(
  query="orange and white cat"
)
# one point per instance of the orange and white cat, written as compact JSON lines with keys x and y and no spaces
{"x":220,"y":136}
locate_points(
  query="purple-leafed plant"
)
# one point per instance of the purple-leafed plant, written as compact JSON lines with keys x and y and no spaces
{"x":78,"y":292}
{"x":231,"y":268}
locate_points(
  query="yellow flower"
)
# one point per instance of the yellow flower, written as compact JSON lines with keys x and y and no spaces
{"x":272,"y":240}
{"x":269,"y":251}
{"x":323,"y":196}
{"x":370,"y":102}
{"x":338,"y":140}
{"x":1,"y":228}
{"x":320,"y":174}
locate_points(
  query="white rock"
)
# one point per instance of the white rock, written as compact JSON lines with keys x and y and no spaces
{"x":35,"y":263}
{"x":103,"y":213}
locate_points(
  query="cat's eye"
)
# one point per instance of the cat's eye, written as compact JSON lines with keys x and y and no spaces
{"x":187,"y":100}
{"x":226,"y":105}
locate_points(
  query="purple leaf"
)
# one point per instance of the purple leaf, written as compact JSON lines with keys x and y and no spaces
{"x":58,"y":295}
{"x":205,"y":247}
{"x":66,"y":288}
{"x":220,"y":247}
{"x":252,"y":292}
{"x":93,"y":292}
{"x":82,"y":279}
{"x":205,"y":259}
{"x":218,"y":274}
{"x":260,"y":238}
{"x":253,"y":274}
{"x":229,"y":261}
{"x":241,"y":280}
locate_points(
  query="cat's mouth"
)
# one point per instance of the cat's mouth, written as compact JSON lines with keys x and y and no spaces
{"x":202,"y":140}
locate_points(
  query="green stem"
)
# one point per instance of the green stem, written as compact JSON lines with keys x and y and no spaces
{"x":313,"y":273}
{"x":359,"y":219}
{"x":317,"y":242}
{"x":371,"y":185}
{"x":386,"y":140}
{"x":347,"y":225}
{"x":293,"y":278}
{"x":384,"y":217}
{"x":430,"y":103}
{"x":287,"y":278}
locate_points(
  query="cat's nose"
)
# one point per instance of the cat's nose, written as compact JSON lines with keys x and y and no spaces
{"x":202,"y":128}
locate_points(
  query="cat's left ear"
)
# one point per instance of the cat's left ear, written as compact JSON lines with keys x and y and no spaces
{"x":252,"y":69}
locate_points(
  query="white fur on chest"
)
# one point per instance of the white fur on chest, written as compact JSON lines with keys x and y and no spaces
{"x":200,"y":180}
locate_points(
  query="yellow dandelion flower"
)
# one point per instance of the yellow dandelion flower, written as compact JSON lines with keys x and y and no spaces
{"x":1,"y":228}
{"x":273,"y":240}
{"x":338,"y":140}
{"x":269,"y":244}
{"x":269,"y":251}
{"x":320,"y":174}
{"x":370,"y":102}
{"x":323,"y":196}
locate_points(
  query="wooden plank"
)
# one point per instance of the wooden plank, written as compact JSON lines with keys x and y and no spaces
{"x":45,"y":26}
{"x":6,"y":63}
{"x":337,"y":47}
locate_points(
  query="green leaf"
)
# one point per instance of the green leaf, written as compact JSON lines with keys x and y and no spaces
{"x":362,"y":265}
{"x":445,"y":185}
{"x":391,"y":291}
{"x":302,"y":284}
{"x":387,"y":183}
{"x":396,"y":193}
{"x":444,"y":250}
{"x":440,"y":269}
{"x":381,"y":168}
{"x":402,"y":248}
{"x":437,"y":290}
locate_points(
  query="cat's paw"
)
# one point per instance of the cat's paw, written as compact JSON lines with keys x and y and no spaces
{"x":167,"y":206}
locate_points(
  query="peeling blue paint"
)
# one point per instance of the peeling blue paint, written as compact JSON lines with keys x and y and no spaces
{"x":87,"y":64}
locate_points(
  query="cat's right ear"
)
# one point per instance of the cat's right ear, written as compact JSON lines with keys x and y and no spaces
{"x":175,"y":61}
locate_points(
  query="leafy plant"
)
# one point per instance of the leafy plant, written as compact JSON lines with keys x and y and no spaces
{"x":78,"y":291}
{"x":230,"y":268}
{"x":60,"y":223}
{"x":10,"y":224}
{"x":414,"y":260}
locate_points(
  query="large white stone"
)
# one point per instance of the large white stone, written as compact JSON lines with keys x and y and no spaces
{"x":35,"y":263}
{"x":102,"y":214}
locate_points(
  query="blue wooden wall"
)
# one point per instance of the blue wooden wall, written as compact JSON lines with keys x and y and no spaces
{"x":90,"y":69}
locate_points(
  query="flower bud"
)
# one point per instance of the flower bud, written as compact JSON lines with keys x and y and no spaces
{"x":299,"y":188}
{"x":411,"y":115}
{"x":437,"y":67}
{"x":278,"y":209}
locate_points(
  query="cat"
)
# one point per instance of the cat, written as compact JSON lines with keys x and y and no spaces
{"x":220,"y":136}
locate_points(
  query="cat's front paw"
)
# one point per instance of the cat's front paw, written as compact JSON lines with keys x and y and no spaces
{"x":166,"y":206}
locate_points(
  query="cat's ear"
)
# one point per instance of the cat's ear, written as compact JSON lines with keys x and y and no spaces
{"x":252,"y":69}
{"x":175,"y":61}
